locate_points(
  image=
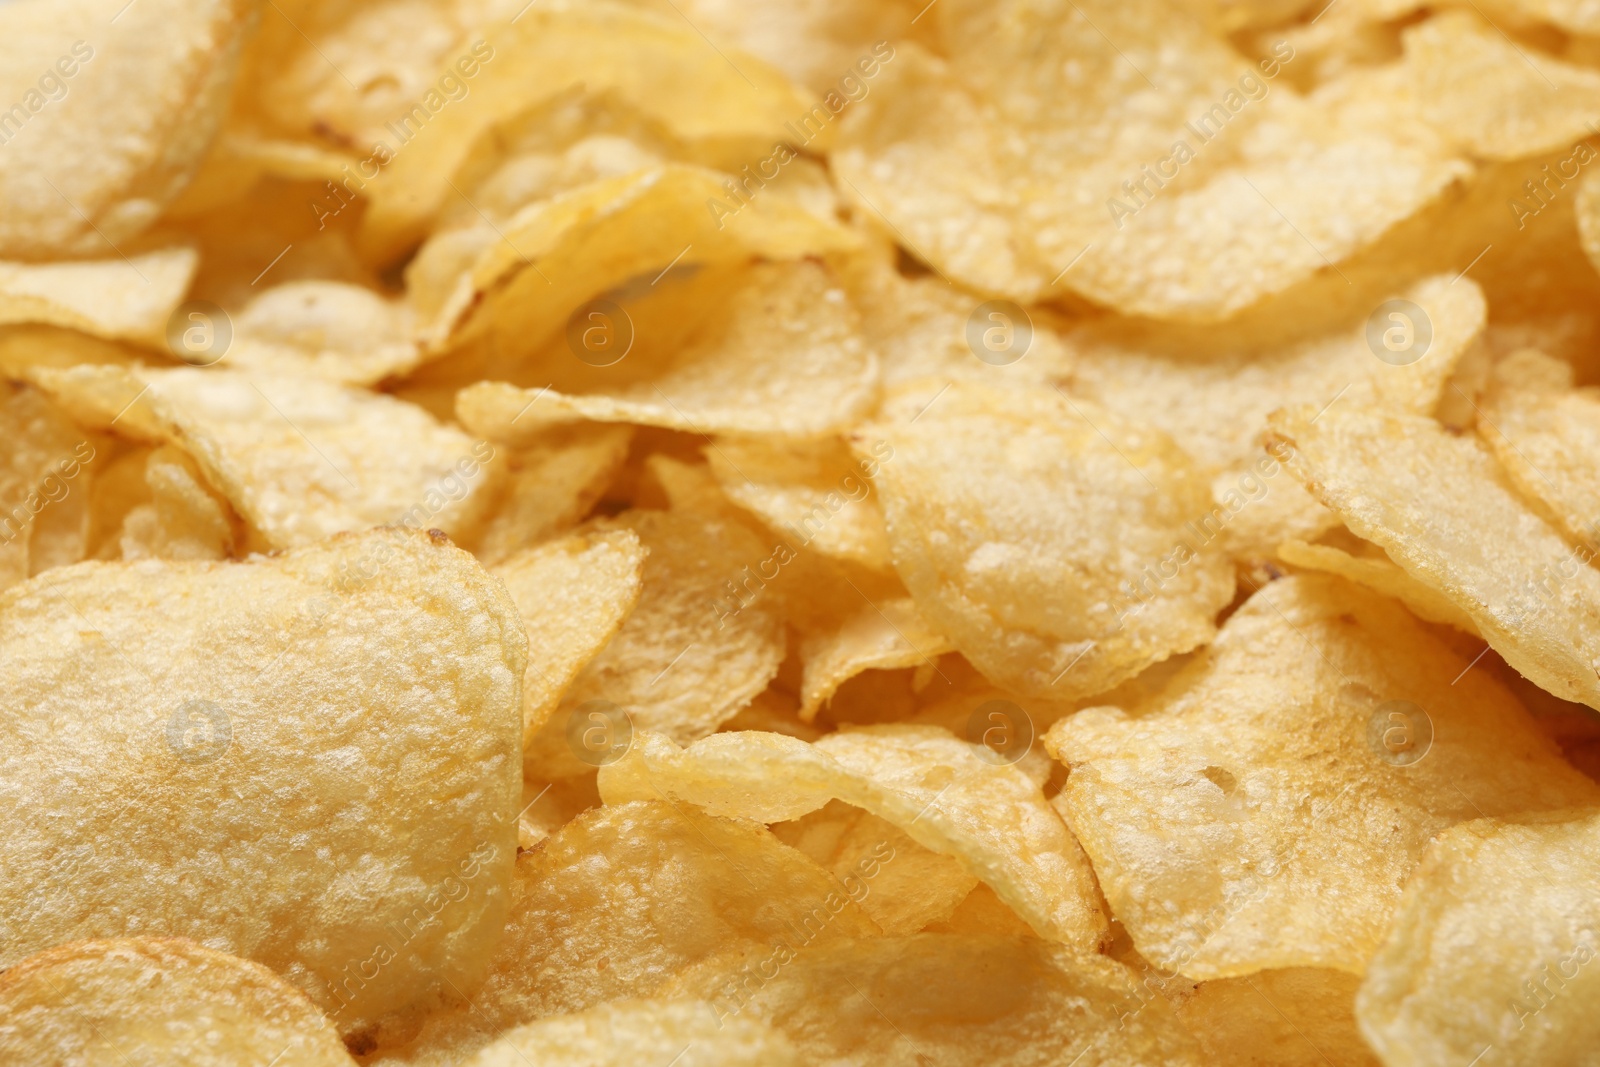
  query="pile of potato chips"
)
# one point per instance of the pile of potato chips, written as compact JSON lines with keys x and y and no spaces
{"x":711,"y":533}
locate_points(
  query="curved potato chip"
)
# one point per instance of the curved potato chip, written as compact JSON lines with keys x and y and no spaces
{"x":309,"y":759}
{"x":299,"y":458}
{"x":1300,"y":1017}
{"x":134,"y":113}
{"x":184,"y":520}
{"x":323,"y":329}
{"x":929,"y":784}
{"x":623,"y":898}
{"x":1264,"y":811}
{"x":573,"y":595}
{"x":145,"y":1002}
{"x":1439,"y":506}
{"x":1489,"y":954}
{"x":779,"y":353}
{"x":947,"y":1000}
{"x":552,"y":483}
{"x":1046,"y":564}
{"x":43,"y":453}
{"x":118,"y":299}
{"x":1380,"y":574}
{"x":625,"y":1034}
{"x":882,"y":636}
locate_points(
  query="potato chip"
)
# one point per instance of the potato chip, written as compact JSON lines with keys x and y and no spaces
{"x":1300,"y":1017}
{"x":780,"y":353}
{"x":946,"y":1000}
{"x":1379,"y":573}
{"x":1439,"y":506}
{"x":119,"y":299}
{"x":1067,"y":557}
{"x":1112,"y":102}
{"x":309,"y":759}
{"x":982,"y":913}
{"x":60,"y":534}
{"x":117,"y":488}
{"x":1490,"y":949}
{"x":144,"y":1002}
{"x":1264,"y":810}
{"x":110,"y":112}
{"x":298,"y":458}
{"x":323,"y":329}
{"x":185,"y":519}
{"x":880,"y":636}
{"x":573,"y":594}
{"x":624,"y":897}
{"x":684,"y":1032}
{"x":551,"y":484}
{"x":931,"y":785}
{"x":548,"y":806}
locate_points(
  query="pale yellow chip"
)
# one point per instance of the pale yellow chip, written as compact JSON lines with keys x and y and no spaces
{"x":298,"y":458}
{"x":776,"y":349}
{"x":1300,"y":1017}
{"x":1119,"y":150}
{"x":901,"y":885}
{"x":551,"y":484}
{"x":149,"y":1002}
{"x":948,"y":1000}
{"x":118,"y":487}
{"x":1053,"y":542}
{"x":623,"y":898}
{"x":44,"y":454}
{"x":118,"y":299}
{"x":1440,"y":506}
{"x":887,"y":635}
{"x":685,"y":1033}
{"x":933,"y":786}
{"x":811,"y":492}
{"x":1491,"y":954}
{"x":110,"y":112}
{"x":1264,"y":810}
{"x":1379,"y":573}
{"x":321,"y":745}
{"x":184,"y":520}
{"x":323,"y":329}
{"x":573,"y":594}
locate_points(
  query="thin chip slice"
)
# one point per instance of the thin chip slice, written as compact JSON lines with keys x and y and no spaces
{"x":323,"y":329}
{"x":813,"y":492}
{"x":551,"y":484}
{"x":298,"y":458}
{"x":43,"y":454}
{"x":118,"y":299}
{"x":1264,"y":810}
{"x":309,"y":759}
{"x":1440,"y":507}
{"x":1379,"y":573}
{"x":882,"y":636}
{"x":147,"y":1002}
{"x":1054,"y":543}
{"x":685,"y":1033}
{"x":623,"y":898}
{"x":948,"y":1000}
{"x":926,"y":782}
{"x":1300,"y":1017}
{"x":573,"y":594}
{"x":1492,"y":949}
{"x":184,"y":520}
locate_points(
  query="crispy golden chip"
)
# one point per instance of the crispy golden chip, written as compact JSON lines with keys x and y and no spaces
{"x":907,"y":887}
{"x":117,"y":489}
{"x":573,"y":594}
{"x":780,"y":353}
{"x":310,"y":759}
{"x":1491,"y":951}
{"x":1379,"y":573}
{"x":880,"y":636}
{"x":1264,"y":810}
{"x":184,"y":520}
{"x":551,"y":485}
{"x":947,"y":1000}
{"x":118,"y":299}
{"x":548,"y":806}
{"x":685,"y":1033}
{"x":1440,"y":507}
{"x":982,"y":913}
{"x":1047,"y":562}
{"x":1300,"y":1017}
{"x":811,"y":491}
{"x":111,"y":111}
{"x":147,"y":1002}
{"x":626,"y":896}
{"x":44,"y":453}
{"x":298,"y":458}
{"x":323,"y":329}
{"x":931,"y":785}
{"x":1113,"y":102}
